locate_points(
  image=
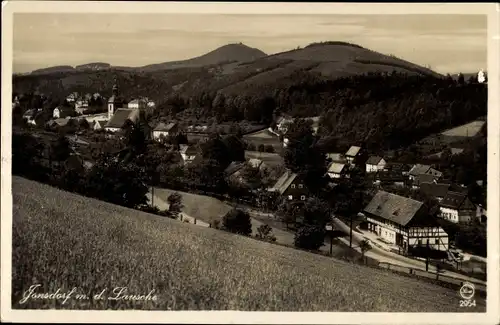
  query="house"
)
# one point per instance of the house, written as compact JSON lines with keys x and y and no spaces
{"x":402,"y":169}
{"x":63,"y":111}
{"x":391,"y":178}
{"x":434,"y":190}
{"x":403,"y":222}
{"x":423,"y":178}
{"x":164,"y":130}
{"x":98,"y":125}
{"x":420,"y":169}
{"x":73,"y":97}
{"x":291,"y":186}
{"x":137,"y":104}
{"x":337,"y":170}
{"x":457,"y":208}
{"x":188,"y":153}
{"x":352,"y":153}
{"x":481,"y":213}
{"x":81,"y":106}
{"x":30,"y":115}
{"x":60,"y":122}
{"x":375,"y":164}
{"x":233,"y":167}
{"x":120,"y":118}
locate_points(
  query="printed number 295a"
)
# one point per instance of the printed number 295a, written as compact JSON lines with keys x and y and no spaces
{"x":467,"y":303}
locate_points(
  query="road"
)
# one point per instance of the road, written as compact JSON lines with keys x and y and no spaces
{"x":384,"y":256}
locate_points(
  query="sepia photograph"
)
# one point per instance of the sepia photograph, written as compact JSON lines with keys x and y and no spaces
{"x":277,"y":160}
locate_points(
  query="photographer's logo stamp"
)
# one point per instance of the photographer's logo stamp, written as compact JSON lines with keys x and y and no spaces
{"x":467,"y":292}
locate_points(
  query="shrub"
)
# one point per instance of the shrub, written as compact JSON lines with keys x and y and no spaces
{"x":310,"y":237}
{"x":238,"y":222}
{"x":265,"y":232}
{"x":261,"y":148}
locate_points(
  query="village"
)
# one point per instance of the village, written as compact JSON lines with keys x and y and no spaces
{"x":391,"y":220}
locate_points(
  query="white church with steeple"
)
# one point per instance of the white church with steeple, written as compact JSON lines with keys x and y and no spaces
{"x":118,"y":114}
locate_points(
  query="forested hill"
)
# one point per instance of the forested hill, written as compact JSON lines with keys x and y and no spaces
{"x":363,"y":96}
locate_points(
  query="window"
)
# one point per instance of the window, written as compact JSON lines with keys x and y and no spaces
{"x":302,"y":197}
{"x":293,"y":185}
{"x":436,"y":241}
{"x":420,"y":242}
{"x":301,"y":186}
{"x":290,"y":197}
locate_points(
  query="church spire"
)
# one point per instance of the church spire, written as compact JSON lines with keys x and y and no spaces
{"x":115,"y":87}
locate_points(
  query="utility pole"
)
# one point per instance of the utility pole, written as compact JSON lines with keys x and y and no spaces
{"x":427,"y":257}
{"x":350,"y":233}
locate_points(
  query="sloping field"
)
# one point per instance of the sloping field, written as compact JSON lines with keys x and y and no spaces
{"x":201,"y":207}
{"x":467,"y":130}
{"x":62,"y":240}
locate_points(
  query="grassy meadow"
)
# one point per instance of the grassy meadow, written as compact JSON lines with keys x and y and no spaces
{"x":62,"y":240}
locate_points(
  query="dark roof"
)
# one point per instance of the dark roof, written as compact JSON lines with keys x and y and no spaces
{"x":120,"y":116}
{"x":164,"y":127}
{"x":419,"y":169}
{"x":397,"y":167}
{"x":434,"y":190}
{"x":284,"y":182}
{"x":188,"y":150}
{"x":233,"y":167}
{"x":373,"y":160}
{"x":453,"y":200}
{"x":392,"y":207}
{"x":424,"y":178}
{"x":391,"y":176}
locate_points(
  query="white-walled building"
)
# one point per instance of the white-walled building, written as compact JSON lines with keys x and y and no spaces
{"x":337,"y":170}
{"x":375,"y":164}
{"x":163,"y":130}
{"x":352,"y":153}
{"x":137,"y":104}
{"x":457,"y":208}
{"x":404,"y":222}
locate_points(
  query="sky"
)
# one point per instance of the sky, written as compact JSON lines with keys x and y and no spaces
{"x":445,"y":43}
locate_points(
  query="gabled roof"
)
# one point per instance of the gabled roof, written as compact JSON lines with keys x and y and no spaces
{"x":121,"y":115}
{"x":29,"y":113}
{"x":284,"y":182}
{"x":453,"y":200}
{"x":336,"y":167}
{"x":164,"y":127}
{"x":233,"y":167}
{"x":419,"y":169}
{"x":434,"y":190}
{"x":353,"y":151}
{"x":392,"y":207}
{"x":188,"y":150}
{"x":425,"y":178}
{"x":374,"y":160}
{"x":394,"y":166}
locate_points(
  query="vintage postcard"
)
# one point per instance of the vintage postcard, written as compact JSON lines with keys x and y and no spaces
{"x":272,"y":163}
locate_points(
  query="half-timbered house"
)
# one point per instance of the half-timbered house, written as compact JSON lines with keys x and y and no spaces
{"x":404,"y":222}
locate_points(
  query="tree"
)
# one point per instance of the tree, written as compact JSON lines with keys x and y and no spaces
{"x":269,"y":148}
{"x":265,"y":232}
{"x":288,"y":212}
{"x":117,"y":182}
{"x":61,"y":149}
{"x":237,"y":221}
{"x":236,"y":147}
{"x":310,"y":237}
{"x":135,"y":137}
{"x":303,"y":155}
{"x":365,"y":246}
{"x":348,"y":197}
{"x":174,"y":204}
{"x":261,"y":148}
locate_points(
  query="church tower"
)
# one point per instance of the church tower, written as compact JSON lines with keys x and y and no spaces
{"x":113,"y":100}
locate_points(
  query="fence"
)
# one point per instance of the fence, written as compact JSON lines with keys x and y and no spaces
{"x":437,"y":278}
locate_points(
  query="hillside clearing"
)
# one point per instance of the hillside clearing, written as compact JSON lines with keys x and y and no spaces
{"x":467,"y":130}
{"x":63,"y":240}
